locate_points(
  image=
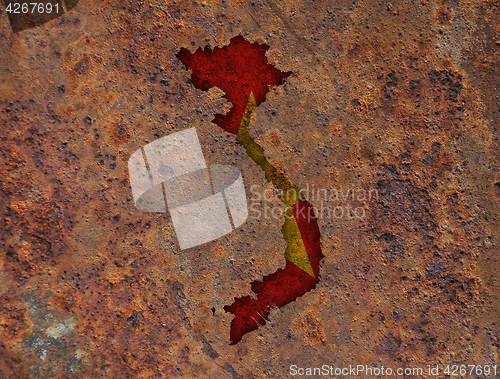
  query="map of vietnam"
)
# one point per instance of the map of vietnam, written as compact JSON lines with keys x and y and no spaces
{"x":242,"y":71}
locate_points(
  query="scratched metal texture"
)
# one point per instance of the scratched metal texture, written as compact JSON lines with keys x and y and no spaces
{"x":400,"y":96}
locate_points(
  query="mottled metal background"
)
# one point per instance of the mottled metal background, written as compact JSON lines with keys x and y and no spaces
{"x":399,"y":96}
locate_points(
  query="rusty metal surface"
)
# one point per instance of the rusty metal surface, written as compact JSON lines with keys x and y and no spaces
{"x":400,"y":96}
